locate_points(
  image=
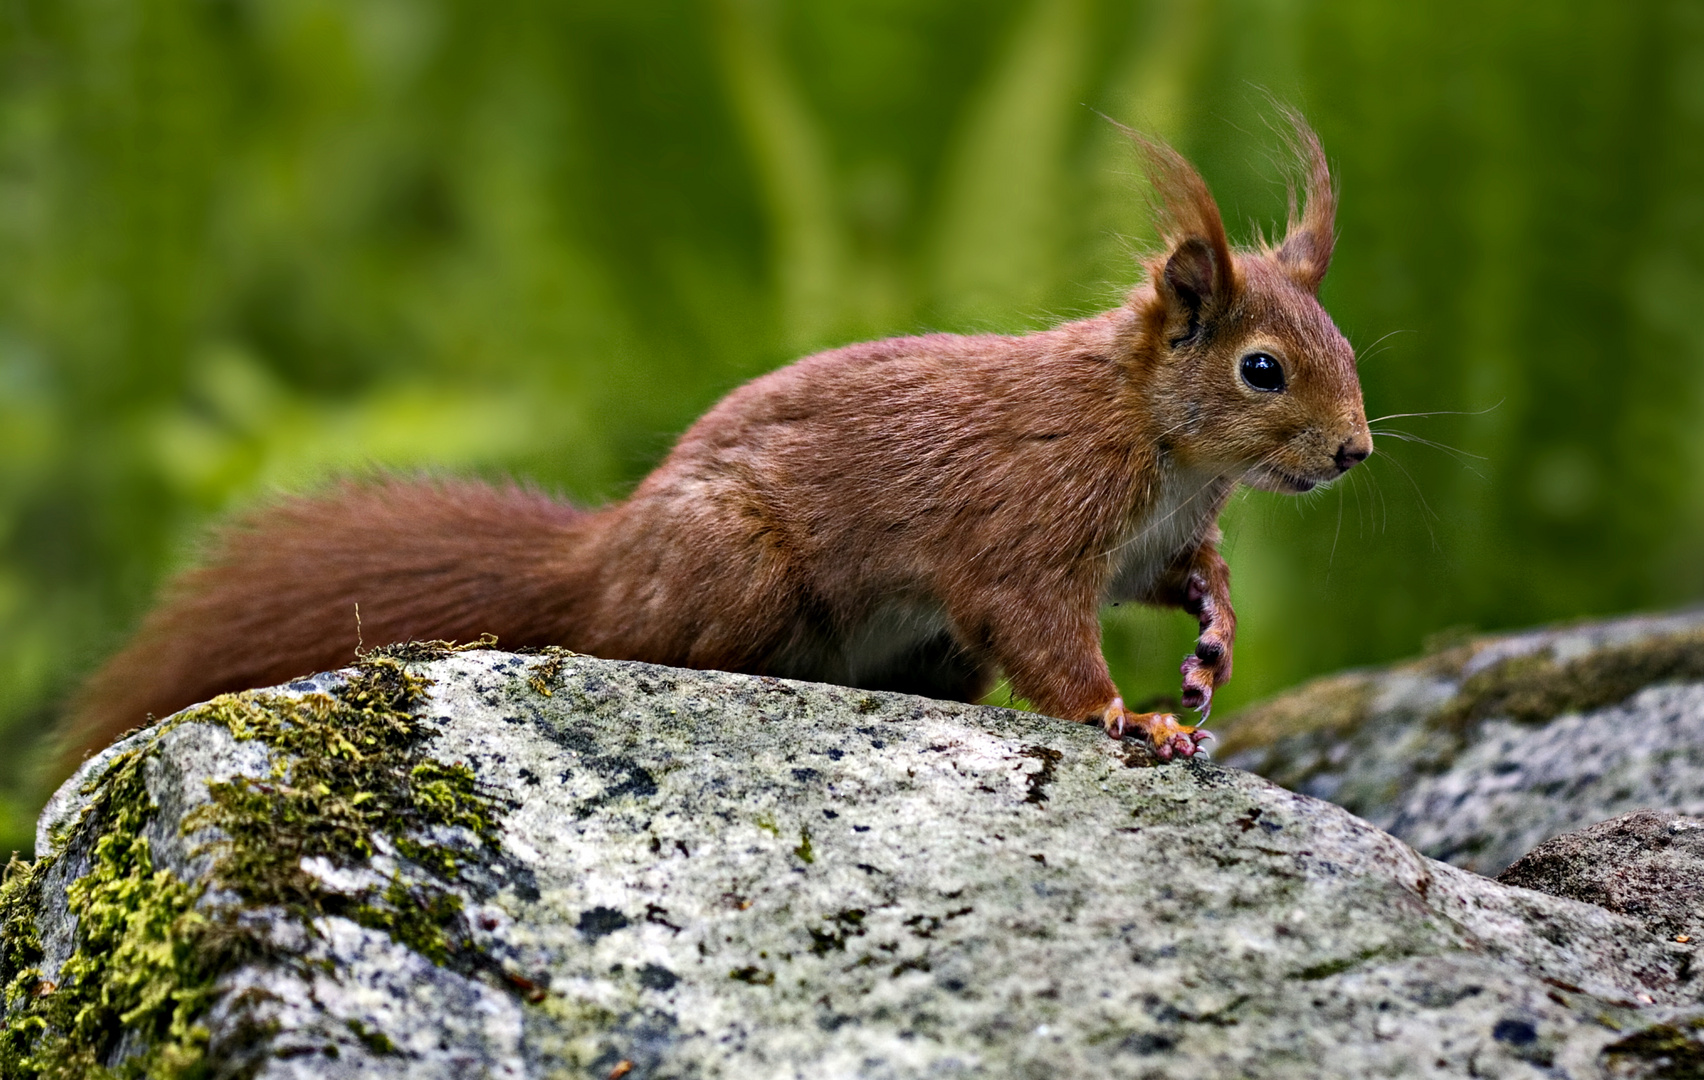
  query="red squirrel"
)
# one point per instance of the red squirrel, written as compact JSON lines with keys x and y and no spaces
{"x":916,"y":514}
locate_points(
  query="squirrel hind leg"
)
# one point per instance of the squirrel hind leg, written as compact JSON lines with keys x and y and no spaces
{"x":938,"y":668}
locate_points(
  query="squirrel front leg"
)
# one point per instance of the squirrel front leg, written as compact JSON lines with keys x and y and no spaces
{"x":1200,"y":583}
{"x":1052,"y":655}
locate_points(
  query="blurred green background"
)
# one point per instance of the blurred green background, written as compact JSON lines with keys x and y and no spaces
{"x":245,"y":244}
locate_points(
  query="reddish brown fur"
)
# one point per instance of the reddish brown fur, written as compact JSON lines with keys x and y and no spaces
{"x":914,"y":513}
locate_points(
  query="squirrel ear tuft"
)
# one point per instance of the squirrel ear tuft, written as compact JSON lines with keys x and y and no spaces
{"x":1198,"y":270}
{"x":1305,"y":253}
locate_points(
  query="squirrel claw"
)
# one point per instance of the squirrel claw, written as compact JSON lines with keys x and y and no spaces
{"x":1164,"y":734}
{"x":1183,"y":744}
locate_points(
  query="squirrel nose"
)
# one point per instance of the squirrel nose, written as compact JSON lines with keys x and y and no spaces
{"x":1352,"y":453}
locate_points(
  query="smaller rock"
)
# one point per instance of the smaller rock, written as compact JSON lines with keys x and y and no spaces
{"x":1488,"y":746}
{"x":1647,"y":865}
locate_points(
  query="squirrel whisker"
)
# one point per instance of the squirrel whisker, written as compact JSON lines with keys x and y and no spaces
{"x":1439,"y":412}
{"x":1464,"y":457}
{"x":1429,"y":516}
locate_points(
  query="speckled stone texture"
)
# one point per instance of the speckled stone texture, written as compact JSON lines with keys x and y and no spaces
{"x":711,"y":875}
{"x":1646,"y":865}
{"x":1480,"y":752}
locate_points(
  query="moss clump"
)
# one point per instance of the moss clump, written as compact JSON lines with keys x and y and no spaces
{"x":1334,"y":705}
{"x":420,"y":652}
{"x":1534,"y":688}
{"x":351,"y":781}
{"x":548,"y":670}
{"x":1663,"y":1051}
{"x":352,"y":772}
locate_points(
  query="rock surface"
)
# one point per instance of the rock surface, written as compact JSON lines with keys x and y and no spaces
{"x":1481,"y":751}
{"x":594,"y":869}
{"x":1646,"y":865}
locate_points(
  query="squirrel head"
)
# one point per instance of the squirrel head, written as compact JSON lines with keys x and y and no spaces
{"x":1248,"y":375}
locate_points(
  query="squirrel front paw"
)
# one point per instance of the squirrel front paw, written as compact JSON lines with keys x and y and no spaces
{"x":1164,"y":734}
{"x":1209,"y":667}
{"x":1200,"y":679}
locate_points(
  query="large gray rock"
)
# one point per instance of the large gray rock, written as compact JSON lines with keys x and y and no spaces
{"x":556,"y":866}
{"x":1483,"y":750}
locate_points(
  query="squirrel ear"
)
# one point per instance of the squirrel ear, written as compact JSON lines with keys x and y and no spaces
{"x":1193,"y":274}
{"x":1306,"y":251}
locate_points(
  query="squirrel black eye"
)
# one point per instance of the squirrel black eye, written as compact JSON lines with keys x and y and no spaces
{"x":1262,"y":372}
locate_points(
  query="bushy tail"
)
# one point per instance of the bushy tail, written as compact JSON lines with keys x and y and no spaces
{"x":297,"y":587}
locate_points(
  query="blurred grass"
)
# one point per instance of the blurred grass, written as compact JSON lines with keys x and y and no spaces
{"x":249,"y":243}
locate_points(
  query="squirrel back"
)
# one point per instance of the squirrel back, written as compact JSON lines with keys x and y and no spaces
{"x":915,"y":514}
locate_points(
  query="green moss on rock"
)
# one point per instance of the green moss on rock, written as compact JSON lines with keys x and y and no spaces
{"x":1535,"y":687}
{"x":1333,"y":705}
{"x":1662,"y":1052}
{"x":145,"y":959}
{"x":350,"y":781}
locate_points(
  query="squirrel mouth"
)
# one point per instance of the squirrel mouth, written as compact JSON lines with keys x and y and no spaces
{"x":1287,"y":482}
